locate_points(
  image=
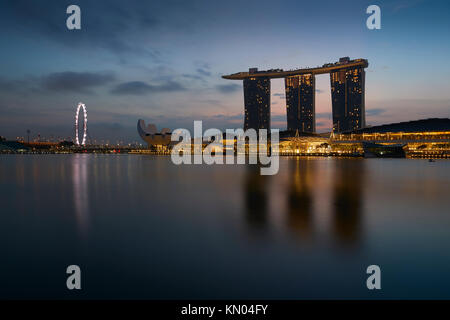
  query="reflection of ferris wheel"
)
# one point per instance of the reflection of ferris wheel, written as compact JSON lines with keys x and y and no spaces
{"x":77,"y":141}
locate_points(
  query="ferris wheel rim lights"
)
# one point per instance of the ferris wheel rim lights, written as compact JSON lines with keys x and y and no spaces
{"x":77,"y":140}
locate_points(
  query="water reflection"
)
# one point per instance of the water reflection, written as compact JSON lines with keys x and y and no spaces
{"x":311,"y":196}
{"x":184,"y":232}
{"x":256,"y":198}
{"x":300,"y":197}
{"x":348,"y":200}
{"x":79,"y":171}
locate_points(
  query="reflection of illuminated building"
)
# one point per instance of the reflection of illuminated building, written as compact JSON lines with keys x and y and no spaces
{"x":299,"y":197}
{"x":300,"y":105}
{"x":348,"y":200}
{"x":255,"y":197}
{"x":80,"y":190}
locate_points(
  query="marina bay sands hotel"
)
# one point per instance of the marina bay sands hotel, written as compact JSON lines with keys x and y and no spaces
{"x":347,"y":95}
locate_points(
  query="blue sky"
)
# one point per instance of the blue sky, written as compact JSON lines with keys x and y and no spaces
{"x":162,"y":61}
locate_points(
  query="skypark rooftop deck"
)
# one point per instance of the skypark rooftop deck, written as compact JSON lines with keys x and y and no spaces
{"x":279,"y":73}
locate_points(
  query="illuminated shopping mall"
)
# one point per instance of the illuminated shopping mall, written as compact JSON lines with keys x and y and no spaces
{"x":427,"y":138}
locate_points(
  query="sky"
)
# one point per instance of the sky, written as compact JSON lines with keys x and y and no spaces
{"x":162,"y":61}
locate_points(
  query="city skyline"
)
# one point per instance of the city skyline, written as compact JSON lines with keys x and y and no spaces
{"x":164,"y":62}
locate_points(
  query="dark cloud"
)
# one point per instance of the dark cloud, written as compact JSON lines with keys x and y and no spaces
{"x":81,"y":82}
{"x":321,"y":124}
{"x":204,"y":72}
{"x":227,"y":88}
{"x":326,"y":115}
{"x":226,"y":117}
{"x":202,"y":65}
{"x":283,"y":96}
{"x":142,"y":88}
{"x":132,"y":87}
{"x":65,"y":81}
{"x":277,"y":117}
{"x":212,"y":102}
{"x":201,"y":73}
{"x":375,"y":112}
{"x":106,"y":126}
{"x":103,"y":25}
{"x":15,"y":86}
{"x":8,"y":85}
{"x":402,"y":5}
{"x":192,"y":76}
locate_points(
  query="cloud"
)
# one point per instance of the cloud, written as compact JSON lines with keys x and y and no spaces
{"x":402,"y":5}
{"x":142,"y":88}
{"x":397,"y":110}
{"x":325,"y":115}
{"x":57,"y":82}
{"x":133,"y":87}
{"x":192,"y":76}
{"x":17,"y":86}
{"x":375,"y":112}
{"x":212,"y":102}
{"x":103,"y":26}
{"x":81,"y":82}
{"x":106,"y":126}
{"x":227,"y":88}
{"x":201,"y":73}
{"x":282,"y":96}
{"x":204,"y":72}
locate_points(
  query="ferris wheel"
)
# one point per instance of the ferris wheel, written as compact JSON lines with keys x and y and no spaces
{"x":77,"y":140}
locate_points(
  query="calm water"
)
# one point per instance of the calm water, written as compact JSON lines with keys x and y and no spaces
{"x":141,"y":227}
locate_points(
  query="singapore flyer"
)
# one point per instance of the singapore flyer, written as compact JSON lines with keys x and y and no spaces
{"x":77,"y":140}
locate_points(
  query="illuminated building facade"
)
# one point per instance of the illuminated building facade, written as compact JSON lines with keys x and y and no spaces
{"x":300,"y":103}
{"x":347,"y":92}
{"x":425,"y":138}
{"x":257,"y":103}
{"x":347,"y":96}
{"x":158,"y":141}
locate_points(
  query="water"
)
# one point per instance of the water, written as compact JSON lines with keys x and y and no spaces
{"x":140,"y":227}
